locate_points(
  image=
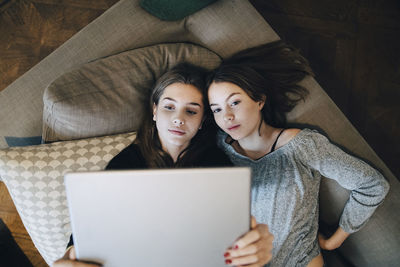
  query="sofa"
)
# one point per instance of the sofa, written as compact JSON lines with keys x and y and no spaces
{"x":82,"y":104}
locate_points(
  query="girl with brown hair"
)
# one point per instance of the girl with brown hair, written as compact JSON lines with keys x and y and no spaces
{"x":250,"y":94}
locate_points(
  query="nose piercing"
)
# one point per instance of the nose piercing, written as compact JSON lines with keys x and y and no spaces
{"x":177,"y":121}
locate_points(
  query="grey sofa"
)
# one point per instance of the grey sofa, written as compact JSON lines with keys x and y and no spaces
{"x":224,"y":27}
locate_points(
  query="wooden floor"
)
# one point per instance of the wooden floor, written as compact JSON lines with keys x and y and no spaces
{"x":9,"y":215}
{"x":29,"y":31}
{"x":353,"y":47}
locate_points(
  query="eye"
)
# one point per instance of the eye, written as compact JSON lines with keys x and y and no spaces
{"x":168,"y":107}
{"x":191,"y":112}
{"x":235,"y":103}
{"x":216,"y":110}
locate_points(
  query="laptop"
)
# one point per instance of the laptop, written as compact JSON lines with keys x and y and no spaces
{"x":170,"y":217}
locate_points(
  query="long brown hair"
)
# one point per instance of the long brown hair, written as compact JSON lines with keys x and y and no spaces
{"x":271,"y":72}
{"x":147,"y":137}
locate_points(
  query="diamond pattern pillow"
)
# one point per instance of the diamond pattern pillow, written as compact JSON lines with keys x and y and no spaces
{"x":34,"y":178}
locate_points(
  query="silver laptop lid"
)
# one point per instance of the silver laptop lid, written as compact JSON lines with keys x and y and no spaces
{"x":174,"y":217}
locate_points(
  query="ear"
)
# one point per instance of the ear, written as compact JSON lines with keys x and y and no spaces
{"x":261,"y":103}
{"x":154,"y":111}
{"x":201,"y":124}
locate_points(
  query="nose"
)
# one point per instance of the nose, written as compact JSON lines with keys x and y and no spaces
{"x":228,"y":116}
{"x":178,"y":122}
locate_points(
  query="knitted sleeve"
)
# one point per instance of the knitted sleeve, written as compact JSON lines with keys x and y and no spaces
{"x":367,"y":186}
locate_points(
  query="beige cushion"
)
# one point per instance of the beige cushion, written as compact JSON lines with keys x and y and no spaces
{"x":107,"y":96}
{"x":34,"y":178}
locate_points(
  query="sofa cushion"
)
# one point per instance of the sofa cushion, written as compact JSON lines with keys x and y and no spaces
{"x":173,"y":9}
{"x":23,"y":141}
{"x":108,"y":96}
{"x":235,"y":25}
{"x":34,"y":178}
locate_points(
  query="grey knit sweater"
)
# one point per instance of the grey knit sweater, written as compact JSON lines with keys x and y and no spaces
{"x":285,"y":190}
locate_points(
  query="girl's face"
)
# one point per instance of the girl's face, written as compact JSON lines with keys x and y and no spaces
{"x":234,"y":111}
{"x":178,"y":115}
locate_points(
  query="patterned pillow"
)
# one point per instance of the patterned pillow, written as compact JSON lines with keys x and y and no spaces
{"x":34,"y":178}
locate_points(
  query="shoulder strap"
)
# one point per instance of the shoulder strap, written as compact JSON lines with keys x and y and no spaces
{"x":276,"y":140}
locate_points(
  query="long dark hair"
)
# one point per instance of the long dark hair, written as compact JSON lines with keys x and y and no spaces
{"x":147,"y":136}
{"x":271,"y":72}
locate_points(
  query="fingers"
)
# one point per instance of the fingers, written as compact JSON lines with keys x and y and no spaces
{"x":253,"y":249}
{"x":253,"y":222}
{"x":258,"y":232}
{"x":242,"y":260}
{"x":250,"y":237}
{"x":247,"y":265}
{"x":71,"y":263}
{"x":69,"y":260}
{"x":72,"y":253}
{"x":249,"y":250}
{"x":254,"y":255}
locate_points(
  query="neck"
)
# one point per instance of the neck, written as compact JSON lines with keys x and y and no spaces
{"x":173,"y":150}
{"x":258,"y":143}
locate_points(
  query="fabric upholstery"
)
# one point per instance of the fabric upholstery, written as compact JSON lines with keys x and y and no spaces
{"x":123,"y":27}
{"x":227,"y":27}
{"x":34,"y":178}
{"x":23,"y":141}
{"x":108,"y":96}
{"x":224,"y":27}
{"x":175,"y":9}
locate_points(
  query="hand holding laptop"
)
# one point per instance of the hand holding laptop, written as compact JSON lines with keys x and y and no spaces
{"x":69,"y":260}
{"x":197,"y":213}
{"x":254,"y":246}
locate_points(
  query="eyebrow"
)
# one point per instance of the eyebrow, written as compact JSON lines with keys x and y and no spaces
{"x":226,"y":100}
{"x":173,"y":100}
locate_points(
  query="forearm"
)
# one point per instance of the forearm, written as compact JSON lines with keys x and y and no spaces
{"x":335,"y":241}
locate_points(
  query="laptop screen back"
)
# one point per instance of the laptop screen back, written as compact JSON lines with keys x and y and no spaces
{"x":174,"y":217}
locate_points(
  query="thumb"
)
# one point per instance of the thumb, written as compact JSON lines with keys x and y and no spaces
{"x":253,"y":222}
{"x":72,"y":254}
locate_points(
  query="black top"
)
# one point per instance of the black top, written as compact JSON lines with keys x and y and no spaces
{"x":276,"y":140}
{"x":128,"y":158}
{"x":132,"y":158}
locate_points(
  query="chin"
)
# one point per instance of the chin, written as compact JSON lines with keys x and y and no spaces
{"x":177,"y":142}
{"x":235,"y":137}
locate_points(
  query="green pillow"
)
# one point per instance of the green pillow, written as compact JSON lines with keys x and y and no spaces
{"x":173,"y":9}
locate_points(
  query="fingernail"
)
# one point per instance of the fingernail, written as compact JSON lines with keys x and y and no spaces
{"x":226,"y":254}
{"x":228,"y":261}
{"x":236,"y":247}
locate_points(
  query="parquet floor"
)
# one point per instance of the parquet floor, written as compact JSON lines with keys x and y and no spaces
{"x":32,"y":29}
{"x":9,"y":215}
{"x":352,"y":46}
{"x":29,"y":31}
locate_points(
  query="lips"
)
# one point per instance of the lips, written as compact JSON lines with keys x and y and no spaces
{"x":234,"y":127}
{"x":176,"y":132}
